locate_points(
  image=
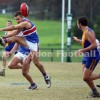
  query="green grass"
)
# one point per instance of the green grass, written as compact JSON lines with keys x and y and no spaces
{"x":67,"y":83}
{"x":49,"y":31}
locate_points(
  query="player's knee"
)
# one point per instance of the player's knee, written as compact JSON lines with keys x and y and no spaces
{"x":86,"y":79}
{"x":11,"y":66}
{"x":14,"y":39}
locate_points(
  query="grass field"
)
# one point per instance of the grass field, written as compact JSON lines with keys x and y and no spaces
{"x":67,"y":83}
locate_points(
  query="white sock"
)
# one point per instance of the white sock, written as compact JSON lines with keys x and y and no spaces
{"x":3,"y":68}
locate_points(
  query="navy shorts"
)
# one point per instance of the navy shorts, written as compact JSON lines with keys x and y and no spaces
{"x":8,"y":48}
{"x":90,"y":62}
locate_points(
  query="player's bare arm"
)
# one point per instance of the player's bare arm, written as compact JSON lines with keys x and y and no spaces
{"x":19,"y":26}
{"x":26,"y":24}
{"x":10,"y":28}
{"x":77,"y":40}
{"x":15,"y":32}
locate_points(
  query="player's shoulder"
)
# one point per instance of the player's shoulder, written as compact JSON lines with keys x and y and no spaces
{"x":90,"y":32}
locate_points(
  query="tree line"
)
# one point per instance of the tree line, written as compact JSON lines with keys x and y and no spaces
{"x":51,"y":9}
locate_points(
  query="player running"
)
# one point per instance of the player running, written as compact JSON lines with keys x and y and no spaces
{"x":91,"y":54}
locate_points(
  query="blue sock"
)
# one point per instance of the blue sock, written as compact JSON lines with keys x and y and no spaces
{"x":32,"y":84}
{"x":44,"y":74}
{"x":94,"y":90}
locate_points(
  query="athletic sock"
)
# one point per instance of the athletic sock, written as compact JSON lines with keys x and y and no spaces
{"x":94,"y":90}
{"x":32,"y":84}
{"x":44,"y":74}
{"x":3,"y":68}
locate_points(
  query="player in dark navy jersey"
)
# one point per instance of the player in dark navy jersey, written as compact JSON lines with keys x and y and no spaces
{"x":7,"y":48}
{"x":91,"y":54}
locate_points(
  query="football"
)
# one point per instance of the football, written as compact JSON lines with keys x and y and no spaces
{"x":24,"y":9}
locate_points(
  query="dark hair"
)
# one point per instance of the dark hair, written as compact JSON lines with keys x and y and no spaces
{"x":9,"y":21}
{"x":83,"y":20}
{"x":18,"y":13}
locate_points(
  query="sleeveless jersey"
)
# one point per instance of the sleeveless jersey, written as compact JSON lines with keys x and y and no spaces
{"x":31,"y":33}
{"x":9,"y":44}
{"x":86,"y":43}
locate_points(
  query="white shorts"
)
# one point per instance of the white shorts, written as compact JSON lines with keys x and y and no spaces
{"x":32,"y":46}
{"x":21,"y":56}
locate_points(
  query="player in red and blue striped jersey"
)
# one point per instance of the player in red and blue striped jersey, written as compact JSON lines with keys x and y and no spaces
{"x":29,"y":40}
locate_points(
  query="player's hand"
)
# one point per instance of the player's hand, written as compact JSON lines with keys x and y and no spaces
{"x":79,"y":52}
{"x":75,"y":38}
{"x":8,"y":54}
{"x":3,"y":36}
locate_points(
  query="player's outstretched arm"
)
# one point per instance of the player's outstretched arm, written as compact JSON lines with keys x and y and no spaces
{"x":9,"y":28}
{"x":12,"y":27}
{"x":13,"y":33}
